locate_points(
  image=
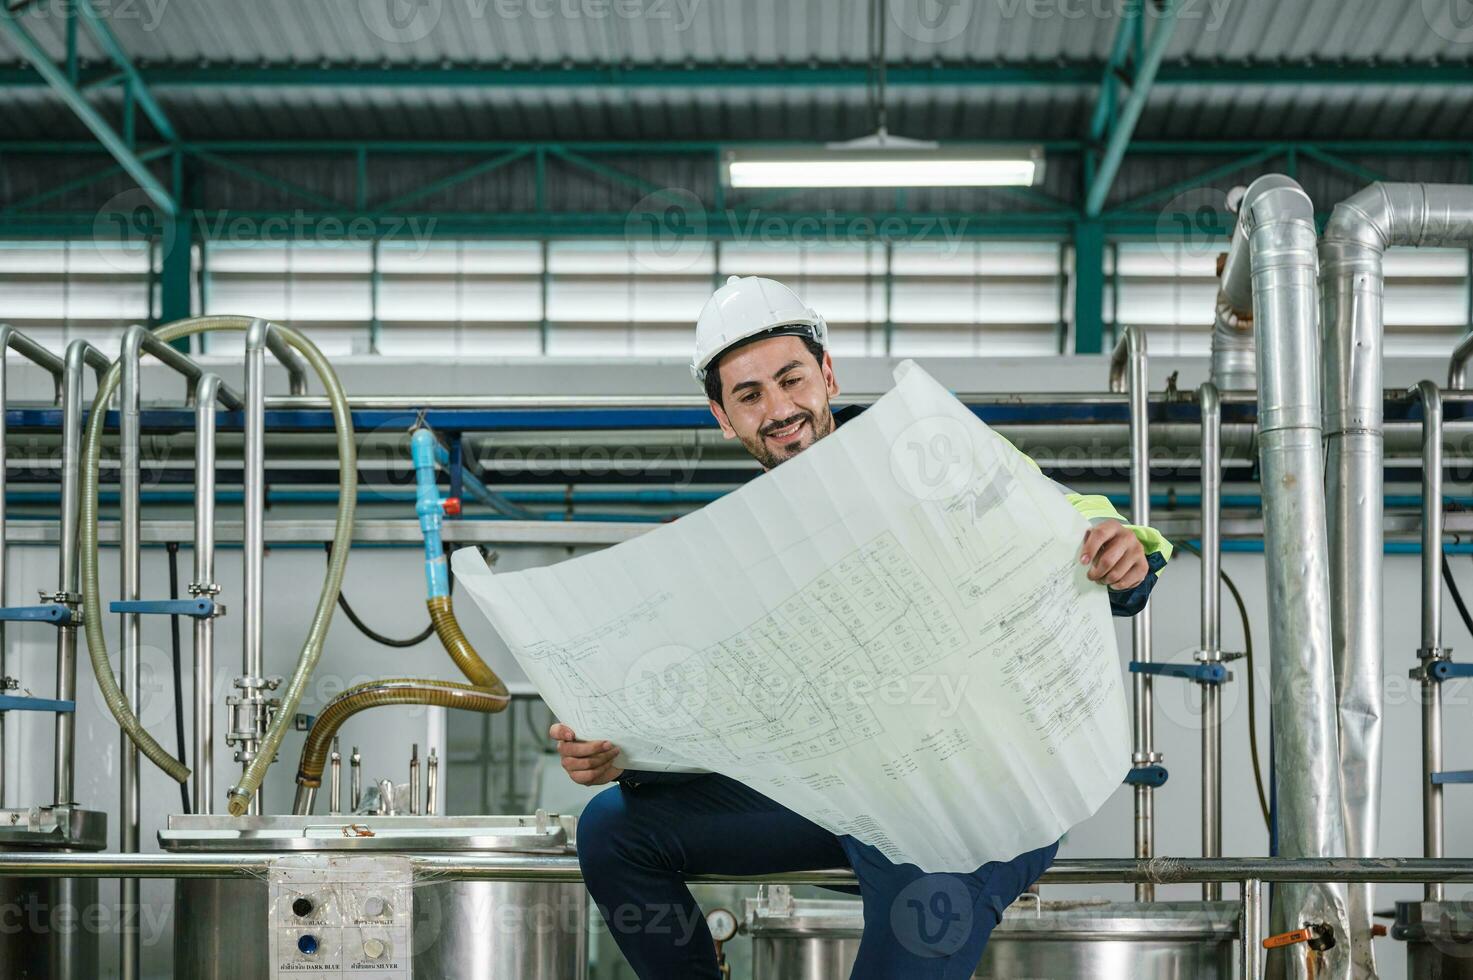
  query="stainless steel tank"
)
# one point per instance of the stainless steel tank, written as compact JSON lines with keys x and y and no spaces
{"x":1439,"y":938}
{"x":818,"y":939}
{"x":462,"y":930}
{"x":50,"y":927}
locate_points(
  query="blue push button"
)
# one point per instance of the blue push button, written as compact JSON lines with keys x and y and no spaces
{"x":307,"y":944}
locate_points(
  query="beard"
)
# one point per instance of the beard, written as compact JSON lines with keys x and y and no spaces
{"x":769,"y":457}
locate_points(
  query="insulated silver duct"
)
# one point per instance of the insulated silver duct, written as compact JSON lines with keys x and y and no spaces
{"x":1271,"y":271}
{"x":1360,"y":230}
{"x":1233,"y":357}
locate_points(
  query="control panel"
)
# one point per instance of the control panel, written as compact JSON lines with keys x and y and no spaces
{"x":335,"y":916}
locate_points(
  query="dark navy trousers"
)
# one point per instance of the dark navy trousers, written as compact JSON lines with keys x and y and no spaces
{"x":640,"y":839}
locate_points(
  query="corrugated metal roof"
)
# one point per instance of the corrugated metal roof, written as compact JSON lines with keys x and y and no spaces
{"x":550,"y":32}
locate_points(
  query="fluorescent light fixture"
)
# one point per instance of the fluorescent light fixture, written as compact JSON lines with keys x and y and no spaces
{"x":840,"y":166}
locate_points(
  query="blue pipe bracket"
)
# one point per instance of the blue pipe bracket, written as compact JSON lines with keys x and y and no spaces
{"x":1146,"y":776}
{"x":1211,"y":673}
{"x":1453,"y":777}
{"x":12,"y":702}
{"x":53,"y":613}
{"x":196,"y":608}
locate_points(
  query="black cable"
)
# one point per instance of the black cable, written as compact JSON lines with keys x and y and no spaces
{"x":173,"y":549}
{"x":1452,"y":586}
{"x":373,"y":634}
{"x":1252,"y":686}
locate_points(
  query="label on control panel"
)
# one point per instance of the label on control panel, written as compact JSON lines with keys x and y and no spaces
{"x":341,"y":917}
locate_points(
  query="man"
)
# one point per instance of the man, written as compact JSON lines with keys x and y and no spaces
{"x":762,"y":356}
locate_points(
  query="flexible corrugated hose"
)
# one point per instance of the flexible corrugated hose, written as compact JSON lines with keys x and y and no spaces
{"x":374,"y":694}
{"x":116,"y":701}
{"x":442,"y":617}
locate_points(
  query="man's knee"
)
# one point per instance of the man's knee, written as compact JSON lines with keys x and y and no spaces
{"x":604,"y":833}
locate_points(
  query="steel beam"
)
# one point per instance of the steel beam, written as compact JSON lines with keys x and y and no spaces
{"x":108,"y":42}
{"x":57,"y":79}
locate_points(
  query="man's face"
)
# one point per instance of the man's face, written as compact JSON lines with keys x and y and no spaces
{"x":775,"y":398}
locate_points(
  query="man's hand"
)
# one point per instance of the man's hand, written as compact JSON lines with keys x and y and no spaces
{"x":1114,"y":555}
{"x":587,"y":763}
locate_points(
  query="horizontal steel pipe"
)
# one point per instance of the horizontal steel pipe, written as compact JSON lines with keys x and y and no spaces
{"x":542,"y":867}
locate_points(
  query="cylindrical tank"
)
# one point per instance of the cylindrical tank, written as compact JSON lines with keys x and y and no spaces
{"x":818,"y":939}
{"x":49,"y":926}
{"x":462,"y":930}
{"x":1439,"y":938}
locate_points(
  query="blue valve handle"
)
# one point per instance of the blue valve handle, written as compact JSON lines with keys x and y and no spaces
{"x":198,"y":608}
{"x":1211,"y":673}
{"x":1444,"y":670}
{"x":1146,"y":776}
{"x":52,"y":612}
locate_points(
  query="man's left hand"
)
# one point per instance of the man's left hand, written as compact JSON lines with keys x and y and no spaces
{"x":1115,"y":556}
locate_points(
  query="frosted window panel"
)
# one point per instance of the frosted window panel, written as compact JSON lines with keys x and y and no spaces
{"x":855,"y":340}
{"x":662,"y":340}
{"x":33,"y":300}
{"x":332,"y":339}
{"x":1426,"y":262}
{"x":84,"y":258}
{"x":1178,"y":340}
{"x":951,"y":301}
{"x":247,"y":258}
{"x":838,"y":300}
{"x":331,"y":299}
{"x":1167,"y":259}
{"x":89,"y":298}
{"x":591,"y":257}
{"x":673,"y":257}
{"x":1168,"y":302}
{"x":512,"y":257}
{"x":590,"y":300}
{"x":1426,"y":303}
{"x":566,"y":339}
{"x":499,"y":299}
{"x":28,"y":257}
{"x":972,"y":341}
{"x":671,"y":300}
{"x":420,"y":340}
{"x":253,"y":297}
{"x":961,"y":258}
{"x":760,"y":259}
{"x":433,"y":260}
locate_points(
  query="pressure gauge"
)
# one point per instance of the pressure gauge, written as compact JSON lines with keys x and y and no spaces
{"x":722,"y":923}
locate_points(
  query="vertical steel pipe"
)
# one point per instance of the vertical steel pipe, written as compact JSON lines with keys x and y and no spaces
{"x":1276,"y":280}
{"x":1431,"y":651}
{"x":1250,"y":953}
{"x":12,"y":339}
{"x":204,"y":585}
{"x":1211,"y":406}
{"x":355,"y":779}
{"x":130,"y":573}
{"x":254,"y":545}
{"x":1128,"y":373}
{"x":1356,"y":237}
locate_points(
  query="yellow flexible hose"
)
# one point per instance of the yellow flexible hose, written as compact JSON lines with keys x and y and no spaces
{"x":374,"y":694}
{"x":442,"y":616}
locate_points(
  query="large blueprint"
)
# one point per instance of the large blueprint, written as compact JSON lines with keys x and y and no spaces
{"x":890,"y":633}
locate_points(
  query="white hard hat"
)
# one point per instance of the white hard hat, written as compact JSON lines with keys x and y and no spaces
{"x":745,"y":307}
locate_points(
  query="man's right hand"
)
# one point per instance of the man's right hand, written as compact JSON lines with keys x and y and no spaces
{"x":587,"y":763}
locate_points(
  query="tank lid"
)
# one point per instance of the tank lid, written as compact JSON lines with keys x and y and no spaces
{"x":546,"y":833}
{"x":53,"y":828}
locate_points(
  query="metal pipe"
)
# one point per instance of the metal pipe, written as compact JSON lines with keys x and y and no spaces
{"x":1277,"y":281}
{"x":1359,"y":231}
{"x":553,"y":867}
{"x":1211,"y":627}
{"x":355,"y":779}
{"x":1128,"y":373}
{"x":253,"y":728}
{"x":335,"y":784}
{"x":1431,"y":650}
{"x":80,"y":355}
{"x":432,"y":780}
{"x":204,"y":584}
{"x":1232,"y":348}
{"x":295,"y":364}
{"x":414,"y":779}
{"x":1250,"y":954}
{"x":1457,"y":368}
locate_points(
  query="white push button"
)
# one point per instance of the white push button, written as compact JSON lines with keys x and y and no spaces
{"x":375,"y":907}
{"x":374,"y":949}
